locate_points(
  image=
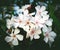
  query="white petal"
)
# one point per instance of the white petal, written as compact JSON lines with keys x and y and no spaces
{"x":20,"y":16}
{"x":15,"y":25}
{"x":31,"y":37}
{"x":16,"y":31}
{"x":42,"y":8}
{"x":49,"y":29}
{"x":26,"y":12}
{"x":45,"y":17}
{"x":49,"y":22}
{"x":50,"y":43}
{"x":42,"y":21}
{"x":8,"y":20}
{"x":36,"y":36}
{"x":26,"y":28}
{"x":46,"y":39}
{"x":37,"y":8}
{"x":20,"y":37}
{"x":38,"y":31}
{"x":27,"y":35}
{"x":15,"y":42}
{"x":21,"y":25}
{"x":8,"y":23}
{"x":51,"y":39}
{"x":8,"y":39}
{"x":41,"y":25}
{"x":44,"y":13}
{"x":8,"y":26}
{"x":45,"y":29}
{"x":53,"y":34}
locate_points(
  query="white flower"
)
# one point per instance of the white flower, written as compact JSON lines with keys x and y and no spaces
{"x":25,"y":10}
{"x":28,"y":23}
{"x":14,"y":37}
{"x":41,"y":20}
{"x":38,"y":21}
{"x":27,"y":27}
{"x":33,"y":33}
{"x":49,"y":35}
{"x":32,"y":23}
{"x":19,"y":21}
{"x":11,"y":22}
{"x":41,"y":10}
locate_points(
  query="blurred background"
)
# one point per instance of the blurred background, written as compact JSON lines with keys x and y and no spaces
{"x":53,"y":7}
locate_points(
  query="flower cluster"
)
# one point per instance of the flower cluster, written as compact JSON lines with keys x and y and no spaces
{"x":35,"y":24}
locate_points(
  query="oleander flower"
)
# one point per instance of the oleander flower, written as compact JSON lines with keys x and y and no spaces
{"x":41,"y":10}
{"x":39,"y":22}
{"x":34,"y":23}
{"x":33,"y":33}
{"x":11,"y":22}
{"x":49,"y":35}
{"x":20,"y":21}
{"x":14,"y":37}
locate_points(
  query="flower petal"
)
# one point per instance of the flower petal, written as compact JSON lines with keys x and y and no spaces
{"x":15,"y":42}
{"x":51,"y":39}
{"x":20,"y":37}
{"x":37,"y":8}
{"x":8,"y":39}
{"x":8,"y":23}
{"x":16,"y":31}
{"x":49,"y":22}
{"x":46,"y":39}
{"x":15,"y":24}
{"x":38,"y":31}
{"x":36,"y":36}
{"x":26,"y":12}
{"x":53,"y":34}
{"x":26,"y":28}
{"x":45,"y":17}
{"x":44,"y":13}
{"x":42,"y":8}
{"x":31,"y":37}
{"x":45,"y":29}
